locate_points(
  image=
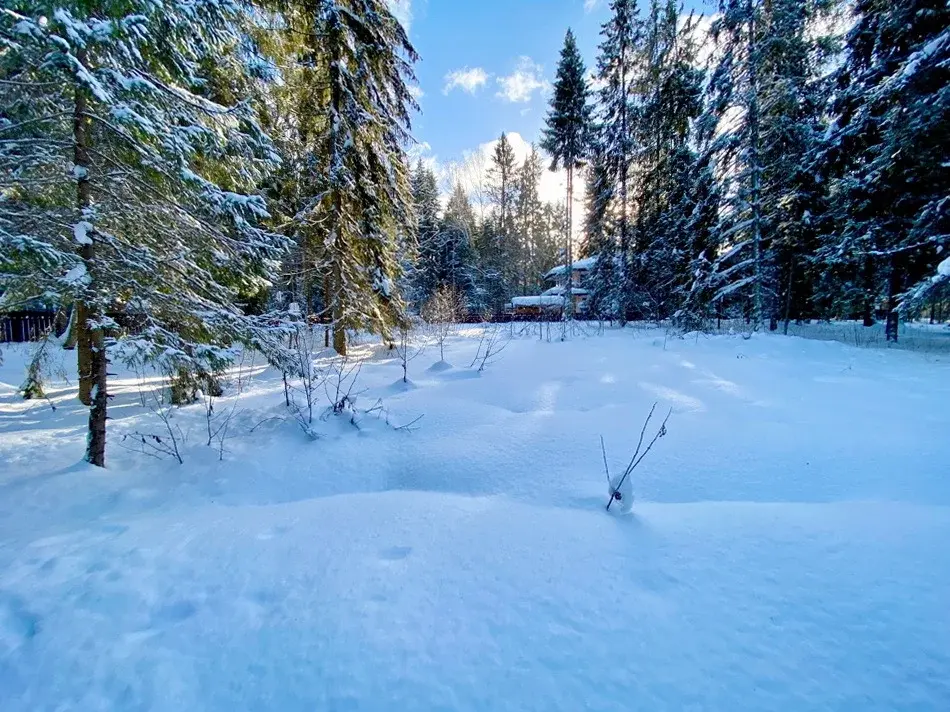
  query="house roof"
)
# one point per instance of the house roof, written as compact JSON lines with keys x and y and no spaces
{"x":540,"y":300}
{"x":559,"y":289}
{"x":580,"y":265}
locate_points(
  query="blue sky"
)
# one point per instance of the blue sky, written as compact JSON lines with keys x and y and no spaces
{"x":487,"y":65}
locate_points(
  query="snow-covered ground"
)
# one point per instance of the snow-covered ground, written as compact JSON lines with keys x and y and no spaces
{"x":787,"y":549}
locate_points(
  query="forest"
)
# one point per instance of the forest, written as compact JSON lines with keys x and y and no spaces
{"x":179,"y":179}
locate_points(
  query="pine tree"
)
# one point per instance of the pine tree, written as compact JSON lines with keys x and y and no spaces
{"x":122,"y":169}
{"x":672,"y":92}
{"x":567,"y":137}
{"x":528,"y":220}
{"x":499,"y":255}
{"x":426,"y":262}
{"x":889,"y":151}
{"x":605,"y":279}
{"x":619,"y":65}
{"x":734,"y":93}
{"x":502,"y":185}
{"x":356,"y":204}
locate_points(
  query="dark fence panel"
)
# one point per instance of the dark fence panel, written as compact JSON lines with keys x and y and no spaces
{"x":17,"y":327}
{"x":22,"y":326}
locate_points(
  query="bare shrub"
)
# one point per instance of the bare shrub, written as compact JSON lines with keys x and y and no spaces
{"x":492,"y":342}
{"x":170,"y":438}
{"x":302,"y":393}
{"x":442,"y":313}
{"x":409,"y":346}
{"x":340,"y":388}
{"x":620,"y":486}
{"x":218,"y":420}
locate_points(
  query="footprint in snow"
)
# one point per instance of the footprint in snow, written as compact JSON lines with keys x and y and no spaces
{"x":271,"y":533}
{"x":174,"y":612}
{"x":395,"y":553}
{"x":18,"y":625}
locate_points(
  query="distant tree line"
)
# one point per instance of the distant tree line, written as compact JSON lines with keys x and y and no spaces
{"x":764,"y":163}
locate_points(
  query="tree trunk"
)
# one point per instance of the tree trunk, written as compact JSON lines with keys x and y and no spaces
{"x":893,"y":289}
{"x":788,"y":294}
{"x":91,"y":352}
{"x":83,"y":350}
{"x":869,"y":292}
{"x":753,"y":110}
{"x":339,"y":327}
{"x":96,"y":443}
{"x":569,"y":252}
{"x":624,"y":224}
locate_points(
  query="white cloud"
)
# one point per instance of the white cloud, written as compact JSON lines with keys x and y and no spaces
{"x":416,"y":91}
{"x":422,"y":151}
{"x":472,"y":173}
{"x":402,"y":10}
{"x":589,"y":5}
{"x":467,"y":79}
{"x":520,"y":85}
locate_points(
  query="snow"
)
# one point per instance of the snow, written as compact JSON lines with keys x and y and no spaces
{"x":541,"y":300}
{"x":81,"y":232}
{"x":943,"y":269}
{"x":784,"y":551}
{"x":586,"y":263}
{"x":559,"y":289}
{"x":75,"y":274}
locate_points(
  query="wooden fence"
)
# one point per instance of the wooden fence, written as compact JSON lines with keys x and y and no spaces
{"x":22,"y":326}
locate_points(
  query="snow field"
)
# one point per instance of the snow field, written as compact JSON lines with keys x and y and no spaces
{"x":786,"y":549}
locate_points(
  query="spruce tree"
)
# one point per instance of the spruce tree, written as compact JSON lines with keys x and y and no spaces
{"x":498,"y":255}
{"x":605,"y":279}
{"x":566,"y":137}
{"x":356,"y":205}
{"x":889,"y":151}
{"x":672,"y":101}
{"x":502,"y":184}
{"x":619,"y":65}
{"x":126,"y":161}
{"x":426,"y":263}
{"x":528,"y":221}
{"x":734,"y":94}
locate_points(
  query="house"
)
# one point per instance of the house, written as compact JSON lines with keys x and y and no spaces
{"x":550,"y":303}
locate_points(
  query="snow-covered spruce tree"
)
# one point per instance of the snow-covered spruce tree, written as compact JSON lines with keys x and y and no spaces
{"x":604,"y":280}
{"x":125,"y":168}
{"x":734,"y":92}
{"x":353,"y":63}
{"x":619,"y":72}
{"x":528,"y":221}
{"x":890,"y":152}
{"x":767,"y":89}
{"x":566,"y":137}
{"x":456,"y":235}
{"x":672,"y":100}
{"x":424,"y":274}
{"x":794,"y":48}
{"x":502,"y":186}
{"x":498,"y":256}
